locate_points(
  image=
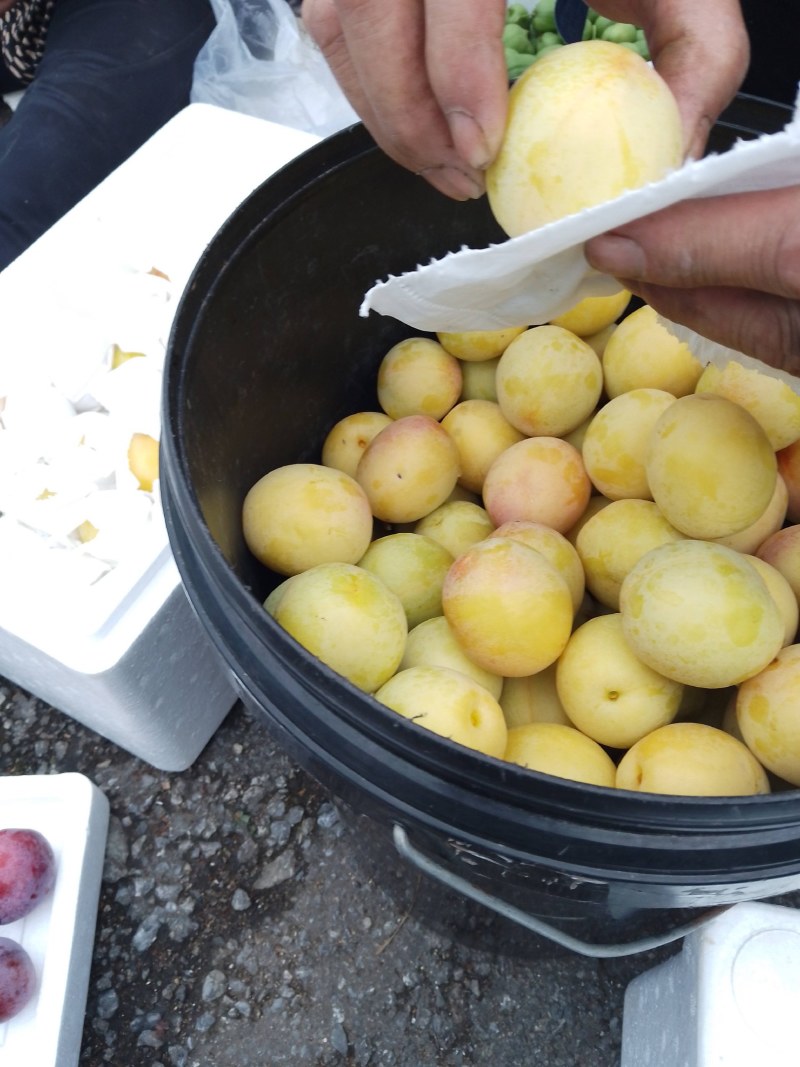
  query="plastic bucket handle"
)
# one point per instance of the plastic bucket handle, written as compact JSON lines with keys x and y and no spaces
{"x":539,"y":926}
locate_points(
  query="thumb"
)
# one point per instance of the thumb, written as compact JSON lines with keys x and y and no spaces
{"x":747,"y":240}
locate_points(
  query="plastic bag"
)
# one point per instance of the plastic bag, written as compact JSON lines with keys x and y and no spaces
{"x":259,"y":60}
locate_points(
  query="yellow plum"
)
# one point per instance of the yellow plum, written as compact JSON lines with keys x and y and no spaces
{"x":509,"y":608}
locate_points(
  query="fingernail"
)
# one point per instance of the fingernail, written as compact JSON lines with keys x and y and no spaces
{"x":469,"y":139}
{"x":453,"y":182}
{"x":698,"y":139}
{"x":615,"y":255}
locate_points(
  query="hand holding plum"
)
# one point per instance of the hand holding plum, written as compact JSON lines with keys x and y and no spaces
{"x":430,"y":79}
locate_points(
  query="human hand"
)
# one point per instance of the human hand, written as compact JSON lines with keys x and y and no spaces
{"x":728,"y":267}
{"x":700,"y":49}
{"x":428,"y":77}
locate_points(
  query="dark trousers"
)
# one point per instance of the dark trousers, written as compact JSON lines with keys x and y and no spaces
{"x":113,"y":72}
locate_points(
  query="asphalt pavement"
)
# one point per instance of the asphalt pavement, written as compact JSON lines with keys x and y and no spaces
{"x":246,"y":920}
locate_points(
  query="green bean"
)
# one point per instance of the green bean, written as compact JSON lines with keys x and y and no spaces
{"x":530,"y":34}
{"x":619,"y":33}
{"x":640,"y":47}
{"x":543,"y":18}
{"x":517,"y":39}
{"x":547,"y":40}
{"x":517,"y":63}
{"x":518,"y":15}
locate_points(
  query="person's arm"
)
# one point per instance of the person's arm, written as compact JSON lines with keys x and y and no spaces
{"x":416,"y":69}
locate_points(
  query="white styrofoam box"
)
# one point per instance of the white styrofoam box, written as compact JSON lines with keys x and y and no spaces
{"x":58,"y":934}
{"x":124,"y":654}
{"x":729,"y":998}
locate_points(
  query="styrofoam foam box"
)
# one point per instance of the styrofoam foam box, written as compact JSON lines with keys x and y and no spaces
{"x":729,"y":998}
{"x":124,"y":654}
{"x":58,"y":934}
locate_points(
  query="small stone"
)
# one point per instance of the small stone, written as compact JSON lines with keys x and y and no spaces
{"x":327,"y":816}
{"x":362,"y":1052}
{"x":124,"y":895}
{"x":240,"y":900}
{"x":281,"y":869}
{"x":179,"y":926}
{"x":143,"y":885}
{"x":248,"y":850}
{"x":116,"y":856}
{"x":339,"y":1038}
{"x":107,"y":1004}
{"x":149,"y":1039}
{"x":295,"y":815}
{"x":205,"y":1022}
{"x":214,"y":985}
{"x":280,"y":832}
{"x":146,"y":932}
{"x":423,"y":1018}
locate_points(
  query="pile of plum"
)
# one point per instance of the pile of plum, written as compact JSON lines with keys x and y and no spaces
{"x":27,"y":876}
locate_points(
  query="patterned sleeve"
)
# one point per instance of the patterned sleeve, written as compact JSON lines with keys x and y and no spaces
{"x":23,"y":32}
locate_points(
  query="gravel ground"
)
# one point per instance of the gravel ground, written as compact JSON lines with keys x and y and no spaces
{"x":242,"y":922}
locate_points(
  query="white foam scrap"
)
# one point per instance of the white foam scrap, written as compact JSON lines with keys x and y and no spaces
{"x":57,"y":566}
{"x":131,"y":394}
{"x":65,"y":349}
{"x":71,"y":510}
{"x":119,"y":517}
{"x":32,"y":409}
{"x":89,"y":432}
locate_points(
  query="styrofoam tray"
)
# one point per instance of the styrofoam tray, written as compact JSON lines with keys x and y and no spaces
{"x":727,"y":999}
{"x":159,"y":209}
{"x":58,"y":934}
{"x":126,"y":656}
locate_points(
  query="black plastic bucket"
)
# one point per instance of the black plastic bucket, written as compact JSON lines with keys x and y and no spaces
{"x":266,"y":352}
